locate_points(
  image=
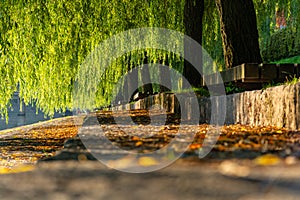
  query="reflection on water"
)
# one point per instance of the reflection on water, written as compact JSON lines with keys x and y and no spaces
{"x":27,"y":115}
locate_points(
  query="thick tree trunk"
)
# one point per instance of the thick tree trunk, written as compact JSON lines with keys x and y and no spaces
{"x":165,"y":80}
{"x":132,"y":81}
{"x":239,"y":32}
{"x":165,"y":77}
{"x":193,"y":13}
{"x":146,"y":79}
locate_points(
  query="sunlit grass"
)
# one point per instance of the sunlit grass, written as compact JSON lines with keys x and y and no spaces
{"x":295,"y":59}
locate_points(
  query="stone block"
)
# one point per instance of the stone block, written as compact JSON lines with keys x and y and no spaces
{"x":287,"y":71}
{"x":247,"y":72}
{"x":230,"y":110}
{"x":202,"y":109}
{"x":208,"y":110}
{"x":297,"y":96}
{"x":297,"y":67}
{"x":268,"y":72}
{"x":290,"y":103}
{"x":228,"y":75}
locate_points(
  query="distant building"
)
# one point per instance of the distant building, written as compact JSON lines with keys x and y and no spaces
{"x":28,"y":115}
{"x":280,"y":19}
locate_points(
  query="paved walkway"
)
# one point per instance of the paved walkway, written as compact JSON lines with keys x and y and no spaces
{"x":182,"y":180}
{"x":241,"y":174}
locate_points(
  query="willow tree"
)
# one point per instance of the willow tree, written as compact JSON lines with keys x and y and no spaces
{"x":44,"y":42}
{"x":239,"y":32}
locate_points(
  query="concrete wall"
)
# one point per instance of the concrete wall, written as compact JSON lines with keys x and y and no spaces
{"x":277,"y":106}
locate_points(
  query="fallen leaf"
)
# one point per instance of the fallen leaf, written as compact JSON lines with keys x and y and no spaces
{"x":135,"y":138}
{"x":82,"y":157}
{"x":268,"y":159}
{"x":147,"y":161}
{"x":139,"y":143}
{"x":195,"y":146}
{"x":230,"y":168}
{"x":18,"y":169}
{"x":121,"y":163}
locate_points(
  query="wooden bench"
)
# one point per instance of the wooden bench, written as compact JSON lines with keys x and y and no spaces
{"x":253,"y":76}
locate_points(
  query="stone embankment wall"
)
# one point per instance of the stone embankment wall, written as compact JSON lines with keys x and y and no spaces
{"x":277,"y":106}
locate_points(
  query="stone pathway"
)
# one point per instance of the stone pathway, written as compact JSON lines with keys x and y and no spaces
{"x":182,"y":180}
{"x":27,"y":144}
{"x":242,"y":165}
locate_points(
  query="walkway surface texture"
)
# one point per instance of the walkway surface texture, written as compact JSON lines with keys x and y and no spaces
{"x":244,"y":162}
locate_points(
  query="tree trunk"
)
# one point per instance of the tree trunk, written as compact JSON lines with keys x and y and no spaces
{"x":239,"y":32}
{"x":132,"y":81}
{"x":193,"y":13}
{"x":165,"y":77}
{"x":146,"y":79}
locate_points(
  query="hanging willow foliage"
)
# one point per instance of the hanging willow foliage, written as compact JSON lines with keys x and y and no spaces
{"x":212,"y":40}
{"x":44,"y":42}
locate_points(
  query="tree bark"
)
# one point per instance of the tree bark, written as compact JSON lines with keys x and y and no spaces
{"x":239,"y":32}
{"x":165,"y":77}
{"x":146,"y":79}
{"x":132,"y":81}
{"x":193,"y":13}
